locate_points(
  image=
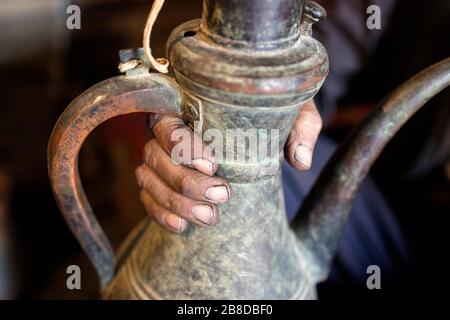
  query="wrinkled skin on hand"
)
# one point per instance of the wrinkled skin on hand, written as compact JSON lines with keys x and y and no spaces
{"x":175,"y":195}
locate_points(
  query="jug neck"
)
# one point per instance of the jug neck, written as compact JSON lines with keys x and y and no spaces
{"x":256,"y":24}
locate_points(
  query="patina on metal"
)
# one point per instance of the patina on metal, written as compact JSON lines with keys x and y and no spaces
{"x":244,"y":65}
{"x":110,"y":98}
{"x":325,"y":210}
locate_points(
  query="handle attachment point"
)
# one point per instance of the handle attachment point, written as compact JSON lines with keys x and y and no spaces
{"x":152,"y":93}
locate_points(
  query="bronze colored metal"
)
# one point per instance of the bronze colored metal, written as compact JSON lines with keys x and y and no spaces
{"x":110,"y":98}
{"x":244,"y":65}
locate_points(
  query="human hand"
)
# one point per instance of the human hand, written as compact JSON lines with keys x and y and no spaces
{"x":177,"y":194}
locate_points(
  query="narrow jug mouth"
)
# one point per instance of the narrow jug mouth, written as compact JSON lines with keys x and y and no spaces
{"x":254,"y":24}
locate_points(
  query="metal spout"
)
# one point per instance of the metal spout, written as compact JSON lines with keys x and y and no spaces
{"x":326,"y":208}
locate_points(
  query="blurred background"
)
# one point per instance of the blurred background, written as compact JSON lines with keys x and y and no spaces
{"x":44,"y":66}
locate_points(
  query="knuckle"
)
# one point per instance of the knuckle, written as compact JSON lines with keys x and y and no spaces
{"x":311,"y":123}
{"x":148,"y":148}
{"x":317,"y":123}
{"x":184,"y":183}
{"x":140,"y":175}
{"x":175,"y":123}
{"x":151,"y":155}
{"x":172,"y":202}
{"x":203,"y":182}
{"x":164,"y":127}
{"x":144,"y":198}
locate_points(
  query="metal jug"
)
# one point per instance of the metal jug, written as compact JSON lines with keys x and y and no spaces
{"x":246,"y":64}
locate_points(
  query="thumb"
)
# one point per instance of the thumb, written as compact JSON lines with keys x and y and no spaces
{"x":303,"y":137}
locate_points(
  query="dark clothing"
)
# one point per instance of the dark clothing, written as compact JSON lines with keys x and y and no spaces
{"x":371,"y":236}
{"x":365,"y":66}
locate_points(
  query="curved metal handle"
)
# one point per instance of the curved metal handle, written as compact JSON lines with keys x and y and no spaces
{"x":154,"y":93}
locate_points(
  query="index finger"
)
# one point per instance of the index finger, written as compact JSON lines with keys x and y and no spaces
{"x":182,"y":144}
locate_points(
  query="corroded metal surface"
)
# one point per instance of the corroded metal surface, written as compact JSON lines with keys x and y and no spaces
{"x":322,"y":217}
{"x":254,"y":24}
{"x":265,"y":79}
{"x":110,"y":98}
{"x":244,"y":65}
{"x":251,"y":252}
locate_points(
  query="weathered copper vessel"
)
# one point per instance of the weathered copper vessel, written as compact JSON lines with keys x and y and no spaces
{"x":245,"y":64}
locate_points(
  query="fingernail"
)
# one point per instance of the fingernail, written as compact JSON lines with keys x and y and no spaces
{"x":203,"y":213}
{"x":174,"y":222}
{"x":217,"y":193}
{"x":303,"y":155}
{"x":203,"y":165}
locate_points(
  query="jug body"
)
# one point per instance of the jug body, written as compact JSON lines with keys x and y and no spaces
{"x":244,"y":87}
{"x":250,"y":254}
{"x":248,"y":101}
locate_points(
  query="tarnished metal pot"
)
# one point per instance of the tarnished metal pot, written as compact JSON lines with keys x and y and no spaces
{"x":244,"y":65}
